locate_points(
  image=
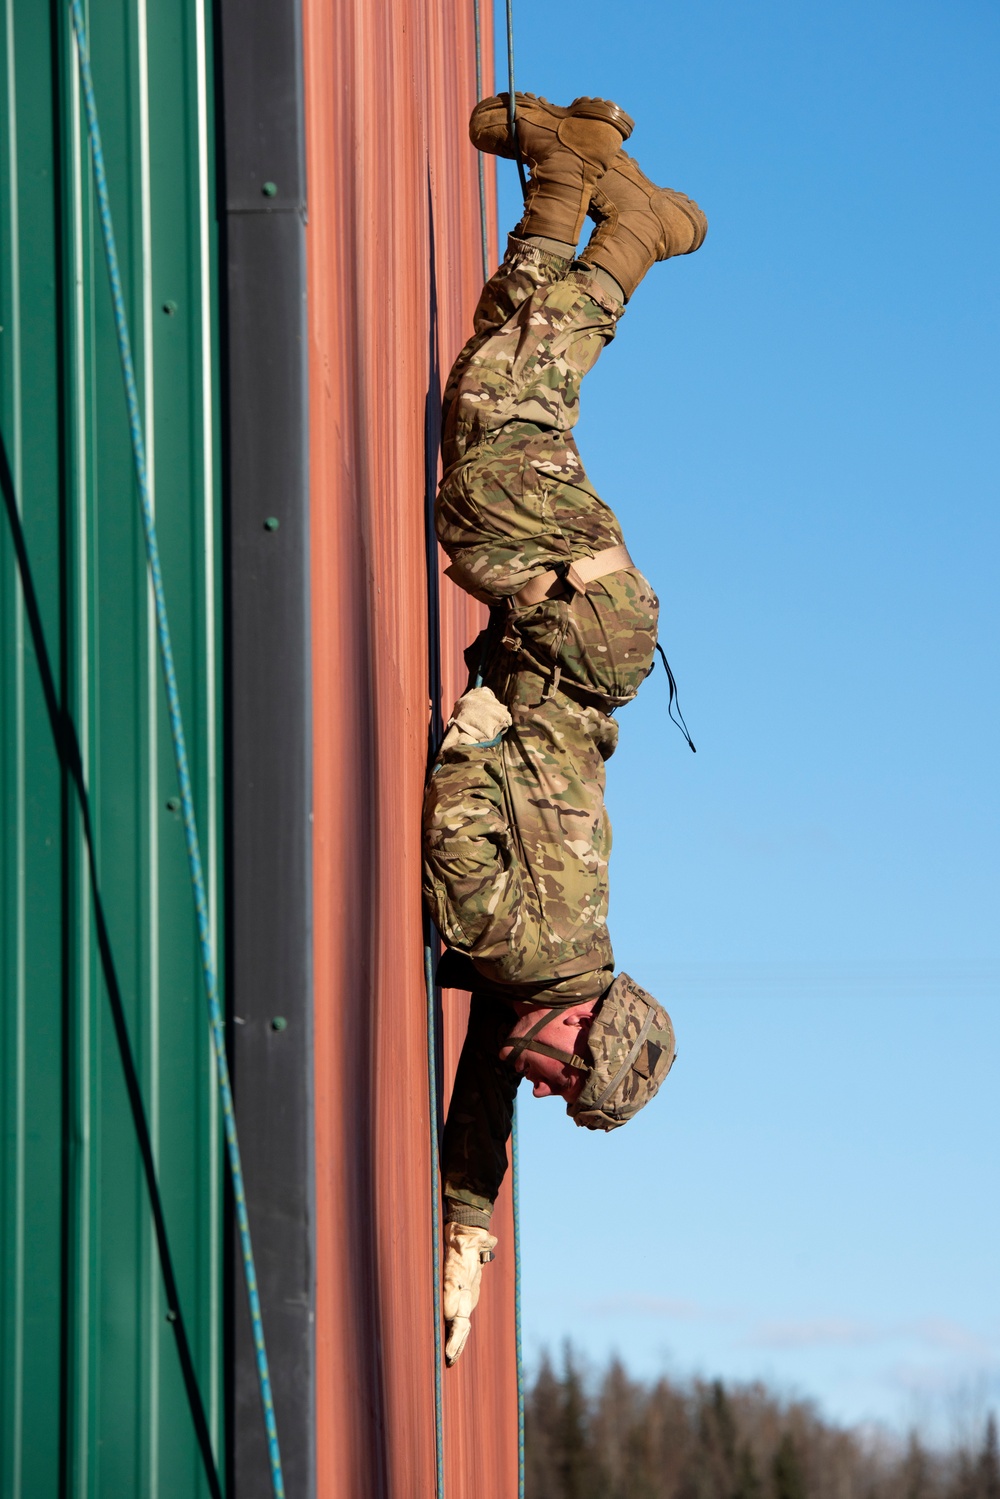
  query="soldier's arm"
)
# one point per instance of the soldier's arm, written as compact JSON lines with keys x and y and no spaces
{"x":474,"y":1159}
{"x":473,"y":882}
{"x":474,"y":1152}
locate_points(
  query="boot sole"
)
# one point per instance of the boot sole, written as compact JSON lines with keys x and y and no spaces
{"x":490,"y":121}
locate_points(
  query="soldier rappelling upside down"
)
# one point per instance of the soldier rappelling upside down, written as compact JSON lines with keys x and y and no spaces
{"x":516,"y":835}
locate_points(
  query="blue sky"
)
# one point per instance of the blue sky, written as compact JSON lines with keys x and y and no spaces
{"x":798,"y":429}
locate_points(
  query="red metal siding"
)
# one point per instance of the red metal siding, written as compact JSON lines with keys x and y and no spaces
{"x":393,"y":192}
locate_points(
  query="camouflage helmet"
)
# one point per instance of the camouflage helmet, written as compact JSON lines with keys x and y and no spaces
{"x":631,"y":1043}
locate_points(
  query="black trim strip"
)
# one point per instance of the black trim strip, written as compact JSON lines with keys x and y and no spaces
{"x":268,"y":722}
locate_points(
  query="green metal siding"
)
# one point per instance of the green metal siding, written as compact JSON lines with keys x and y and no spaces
{"x":92,"y":1398}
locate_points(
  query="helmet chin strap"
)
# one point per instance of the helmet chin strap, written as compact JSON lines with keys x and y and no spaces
{"x":527,"y":1042}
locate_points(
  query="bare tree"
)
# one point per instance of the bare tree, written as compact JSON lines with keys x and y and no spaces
{"x":609,"y":1436}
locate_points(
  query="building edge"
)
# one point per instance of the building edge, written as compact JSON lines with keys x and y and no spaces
{"x":268,"y":772}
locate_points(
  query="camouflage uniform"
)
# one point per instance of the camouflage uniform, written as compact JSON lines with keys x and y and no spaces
{"x":515,"y":500}
{"x":516,"y":835}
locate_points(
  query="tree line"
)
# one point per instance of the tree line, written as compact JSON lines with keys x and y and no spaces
{"x":621,"y":1438}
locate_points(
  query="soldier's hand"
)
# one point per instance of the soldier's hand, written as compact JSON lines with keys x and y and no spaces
{"x":466,"y":1251}
{"x":478,"y":718}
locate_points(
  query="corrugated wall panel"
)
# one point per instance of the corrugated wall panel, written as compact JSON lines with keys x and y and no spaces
{"x":93,"y":1401}
{"x":394,"y":270}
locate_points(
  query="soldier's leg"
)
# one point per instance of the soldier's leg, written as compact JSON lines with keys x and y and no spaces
{"x":638,"y":222}
{"x":567,"y":149}
{"x":529,"y":368}
{"x":515,"y":403}
{"x":525,"y":268}
{"x":514,"y":395}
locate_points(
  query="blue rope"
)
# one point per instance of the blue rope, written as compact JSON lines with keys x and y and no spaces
{"x":517,"y":1304}
{"x":180,"y":749}
{"x":432,"y":1088}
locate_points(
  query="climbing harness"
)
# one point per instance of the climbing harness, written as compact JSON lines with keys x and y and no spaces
{"x":575,"y":575}
{"x":205,"y":941}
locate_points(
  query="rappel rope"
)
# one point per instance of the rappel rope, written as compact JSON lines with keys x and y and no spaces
{"x":434,"y":737}
{"x":430,"y":937}
{"x":515,"y":1194}
{"x":512,"y":100}
{"x":484,"y":237}
{"x":205,"y":941}
{"x":432,"y":1089}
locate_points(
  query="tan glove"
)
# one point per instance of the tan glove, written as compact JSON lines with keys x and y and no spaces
{"x":477,"y":718}
{"x":466,"y":1251}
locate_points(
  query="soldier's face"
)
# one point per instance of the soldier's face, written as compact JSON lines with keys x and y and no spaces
{"x":549,"y":1077}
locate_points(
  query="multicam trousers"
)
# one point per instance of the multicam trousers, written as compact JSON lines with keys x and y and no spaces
{"x":515,"y":500}
{"x":516,"y":835}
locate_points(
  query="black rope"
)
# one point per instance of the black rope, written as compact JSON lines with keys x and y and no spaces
{"x":512,"y":100}
{"x":67,"y":748}
{"x":677,"y":717}
{"x":435,"y":733}
{"x":480,"y":163}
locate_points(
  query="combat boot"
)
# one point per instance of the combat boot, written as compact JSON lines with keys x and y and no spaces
{"x":639,"y":223}
{"x":567,"y":148}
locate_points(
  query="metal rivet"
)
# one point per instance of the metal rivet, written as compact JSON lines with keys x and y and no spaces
{"x":270,"y":189}
{"x":170,"y":308}
{"x":173,"y":804}
{"x":272,"y":523}
{"x":171,"y":1316}
{"x":279,"y":1023}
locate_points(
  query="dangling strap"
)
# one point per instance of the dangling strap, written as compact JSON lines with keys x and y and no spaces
{"x":527,"y":1042}
{"x":567,"y":1058}
{"x":678,"y":717}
